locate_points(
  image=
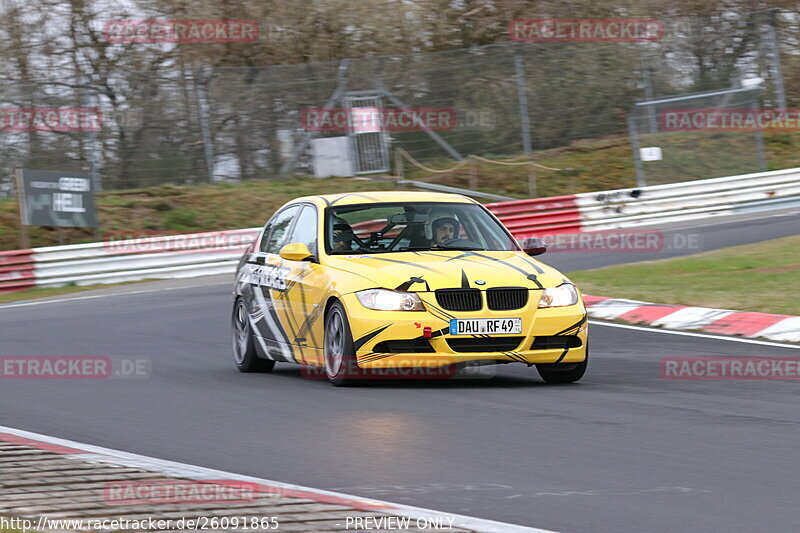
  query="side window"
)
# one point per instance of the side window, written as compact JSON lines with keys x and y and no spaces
{"x":265,"y":235}
{"x":272,"y":243}
{"x":305,"y":231}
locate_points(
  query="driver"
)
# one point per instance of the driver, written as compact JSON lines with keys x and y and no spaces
{"x":445,"y":229}
{"x":342,"y":235}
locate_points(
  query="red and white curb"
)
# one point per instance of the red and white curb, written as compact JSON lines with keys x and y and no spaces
{"x":96,"y":454}
{"x":784,"y":328}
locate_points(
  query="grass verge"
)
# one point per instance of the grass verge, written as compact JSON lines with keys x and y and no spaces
{"x":760,"y":277}
{"x":606,"y":163}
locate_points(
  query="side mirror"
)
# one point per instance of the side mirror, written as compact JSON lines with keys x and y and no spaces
{"x":295,"y":252}
{"x":534,"y":246}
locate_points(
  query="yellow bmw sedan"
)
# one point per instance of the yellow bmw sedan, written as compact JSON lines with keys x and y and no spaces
{"x":352,"y":284}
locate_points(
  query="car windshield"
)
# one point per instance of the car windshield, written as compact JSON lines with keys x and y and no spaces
{"x":419,"y":226}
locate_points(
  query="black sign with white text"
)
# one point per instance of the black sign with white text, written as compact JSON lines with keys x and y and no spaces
{"x":51,"y":198}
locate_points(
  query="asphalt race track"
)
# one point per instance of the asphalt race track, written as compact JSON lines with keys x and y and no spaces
{"x":623,"y":450}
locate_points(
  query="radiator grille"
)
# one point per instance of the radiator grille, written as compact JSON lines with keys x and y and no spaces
{"x":459,"y":299}
{"x":506,"y":298}
{"x":404,"y":346}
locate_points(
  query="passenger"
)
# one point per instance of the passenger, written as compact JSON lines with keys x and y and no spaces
{"x":342,"y":235}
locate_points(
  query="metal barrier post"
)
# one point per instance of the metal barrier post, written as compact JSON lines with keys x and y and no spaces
{"x":519,"y":66}
{"x":637,"y":159}
{"x":203,"y":115}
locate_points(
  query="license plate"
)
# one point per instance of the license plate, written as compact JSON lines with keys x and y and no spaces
{"x":485,"y":326}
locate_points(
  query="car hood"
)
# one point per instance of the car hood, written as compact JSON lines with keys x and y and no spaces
{"x":429,"y":271}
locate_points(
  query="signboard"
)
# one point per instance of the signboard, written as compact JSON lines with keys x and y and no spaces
{"x":62,"y":199}
{"x":652,"y":153}
{"x":331,"y":157}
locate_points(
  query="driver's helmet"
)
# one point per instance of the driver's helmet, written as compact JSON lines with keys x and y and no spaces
{"x":439,"y":217}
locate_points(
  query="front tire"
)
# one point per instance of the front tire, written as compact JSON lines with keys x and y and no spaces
{"x":244,"y":346}
{"x":340,"y":353}
{"x":560,"y":373}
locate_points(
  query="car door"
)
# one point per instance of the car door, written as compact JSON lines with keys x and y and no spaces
{"x":268,"y":279}
{"x":305,"y":295}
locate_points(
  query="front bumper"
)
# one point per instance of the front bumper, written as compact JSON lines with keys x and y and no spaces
{"x":375,"y":334}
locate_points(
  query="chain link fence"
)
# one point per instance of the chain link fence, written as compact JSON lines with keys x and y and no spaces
{"x":672,"y":141}
{"x":191,"y":123}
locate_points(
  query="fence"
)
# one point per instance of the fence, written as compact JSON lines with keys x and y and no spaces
{"x":186,"y":122}
{"x":690,"y":155}
{"x":218,"y":252}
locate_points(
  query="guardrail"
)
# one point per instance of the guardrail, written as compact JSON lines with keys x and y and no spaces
{"x":16,"y":270}
{"x":168,"y":256}
{"x":657,"y":204}
{"x":557,"y":214}
{"x":176,"y":256}
{"x":676,"y":202}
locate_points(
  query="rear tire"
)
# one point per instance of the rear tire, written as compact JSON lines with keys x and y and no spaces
{"x":560,"y":373}
{"x":244,"y":346}
{"x":340,"y":353}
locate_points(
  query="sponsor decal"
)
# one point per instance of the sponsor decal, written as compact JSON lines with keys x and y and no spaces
{"x":269,"y":276}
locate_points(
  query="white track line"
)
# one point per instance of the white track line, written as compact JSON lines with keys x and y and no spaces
{"x":91,"y":297}
{"x":171,"y":468}
{"x":701,"y":335}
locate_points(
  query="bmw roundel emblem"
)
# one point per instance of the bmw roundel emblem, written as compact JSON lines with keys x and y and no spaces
{"x":480,"y":282}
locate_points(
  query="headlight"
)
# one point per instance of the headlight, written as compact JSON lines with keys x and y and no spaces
{"x":385,"y":300}
{"x":560,"y":296}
